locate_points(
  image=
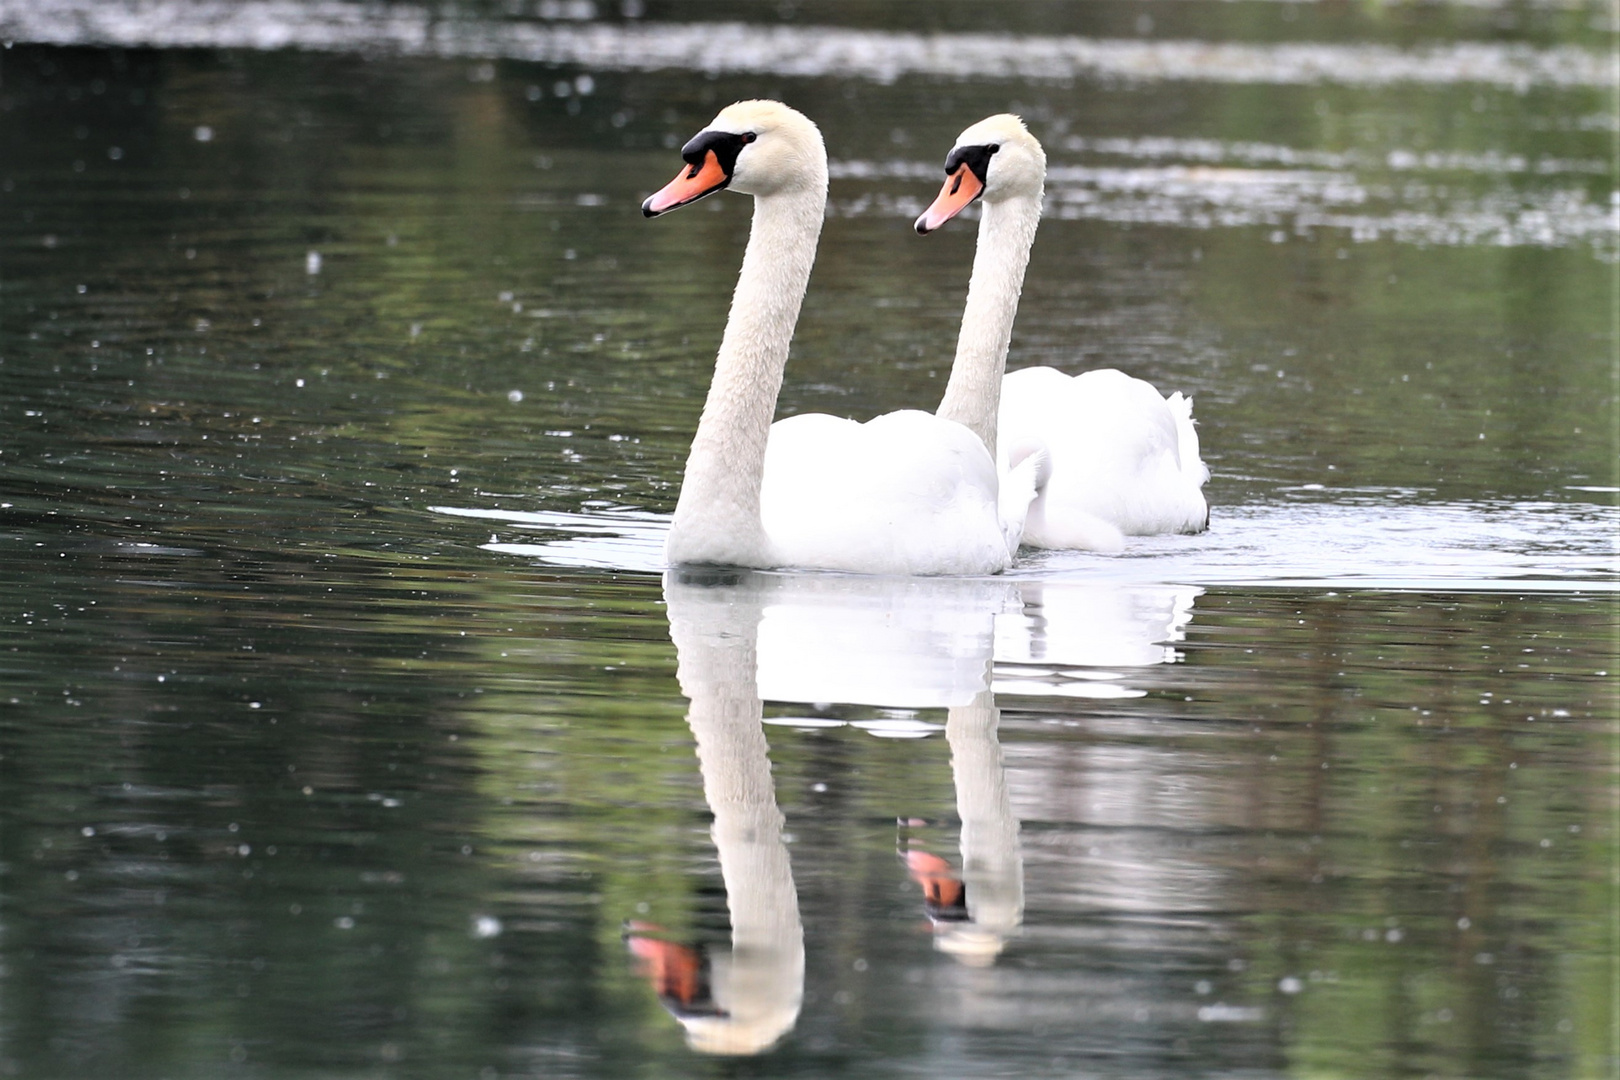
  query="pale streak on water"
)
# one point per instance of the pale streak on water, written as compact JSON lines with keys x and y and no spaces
{"x":805,"y":51}
{"x":1204,"y":190}
{"x":1205,"y":196}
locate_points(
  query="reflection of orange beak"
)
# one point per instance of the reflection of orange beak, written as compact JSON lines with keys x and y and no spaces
{"x":675,"y":971}
{"x":693,"y":182}
{"x":961,"y":188}
{"x":942,"y":889}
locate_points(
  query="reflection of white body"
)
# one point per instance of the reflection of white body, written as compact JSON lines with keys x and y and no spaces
{"x":902,"y":642}
{"x":1079,"y":624}
{"x":1120,"y":458}
{"x":906,"y":493}
{"x":923,"y":643}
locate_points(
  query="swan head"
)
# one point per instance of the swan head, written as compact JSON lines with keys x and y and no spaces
{"x":995,"y":159}
{"x":754,"y":147}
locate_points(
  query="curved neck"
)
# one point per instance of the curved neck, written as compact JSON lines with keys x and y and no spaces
{"x":760,"y":990}
{"x":973,"y":395}
{"x":717,"y":517}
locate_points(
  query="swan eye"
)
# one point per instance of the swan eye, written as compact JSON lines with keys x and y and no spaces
{"x":976,"y":158}
{"x":724,"y":145}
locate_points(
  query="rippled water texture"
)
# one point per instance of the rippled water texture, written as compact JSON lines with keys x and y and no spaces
{"x":351,"y":724}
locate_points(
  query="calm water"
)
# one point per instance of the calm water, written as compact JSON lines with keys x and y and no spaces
{"x":350,"y":725}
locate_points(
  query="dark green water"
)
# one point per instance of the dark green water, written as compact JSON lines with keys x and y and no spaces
{"x":346,"y":720}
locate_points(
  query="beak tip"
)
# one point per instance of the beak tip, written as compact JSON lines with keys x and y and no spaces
{"x":922,"y":226}
{"x":647,"y":210}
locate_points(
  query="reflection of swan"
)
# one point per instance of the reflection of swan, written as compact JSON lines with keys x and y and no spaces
{"x":905,"y":493}
{"x":758,"y":988}
{"x":1123,"y":459}
{"x":902,"y":642}
{"x":744,"y":637}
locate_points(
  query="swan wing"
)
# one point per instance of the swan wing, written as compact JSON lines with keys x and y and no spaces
{"x":903,"y":493}
{"x":1124,"y":459}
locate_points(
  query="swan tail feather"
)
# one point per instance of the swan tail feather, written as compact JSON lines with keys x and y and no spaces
{"x":1192,"y":466}
{"x":1019,"y":486}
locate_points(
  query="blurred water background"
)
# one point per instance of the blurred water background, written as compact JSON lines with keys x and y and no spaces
{"x":348,"y":726}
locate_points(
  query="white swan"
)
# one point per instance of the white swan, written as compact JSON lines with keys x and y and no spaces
{"x":904,"y":493}
{"x":1122,"y":458}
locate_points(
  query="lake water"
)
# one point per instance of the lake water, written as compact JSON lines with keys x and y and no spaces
{"x":350,"y":724}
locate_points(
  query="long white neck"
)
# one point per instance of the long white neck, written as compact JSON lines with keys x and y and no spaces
{"x":717,"y":517}
{"x":973,"y":395}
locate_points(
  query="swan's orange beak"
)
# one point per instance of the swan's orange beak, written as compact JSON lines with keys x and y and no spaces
{"x":690,"y":185}
{"x":961,"y":188}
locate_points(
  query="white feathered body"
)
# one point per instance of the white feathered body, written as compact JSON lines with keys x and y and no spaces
{"x":1123,"y":458}
{"x":903,"y":493}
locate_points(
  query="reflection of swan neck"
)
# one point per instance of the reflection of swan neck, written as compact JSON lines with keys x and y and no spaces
{"x":1006,"y":233}
{"x":717,"y":517}
{"x":732,"y":754}
{"x":760,"y":985}
{"x":992,"y":864}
